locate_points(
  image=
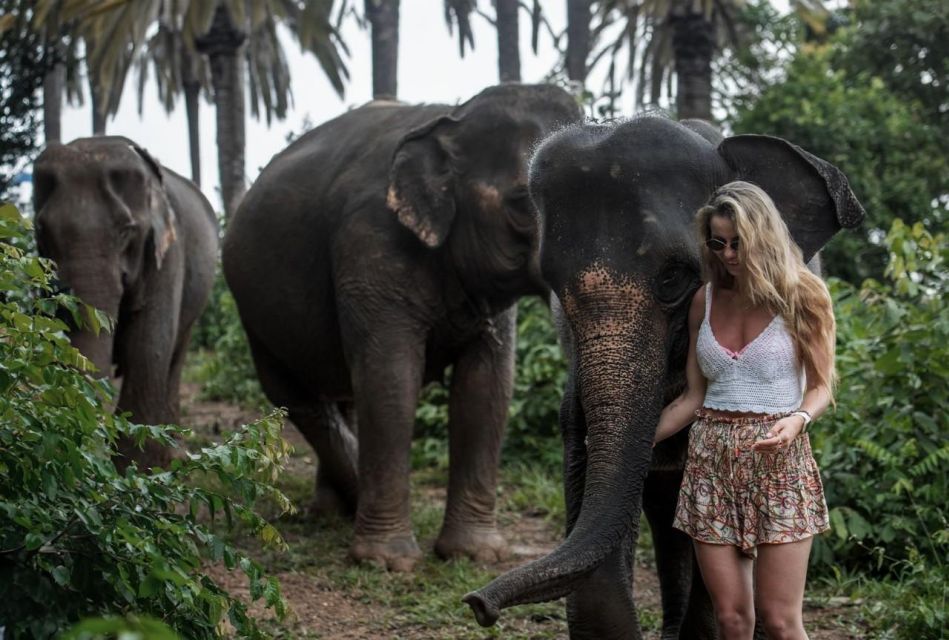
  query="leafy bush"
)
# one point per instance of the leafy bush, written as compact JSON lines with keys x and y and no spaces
{"x":871,"y":110}
{"x":77,"y":538}
{"x":884,"y":452}
{"x":533,"y":428}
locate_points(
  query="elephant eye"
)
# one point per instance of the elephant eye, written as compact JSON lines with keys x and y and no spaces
{"x":519,"y":200}
{"x":674,"y":282}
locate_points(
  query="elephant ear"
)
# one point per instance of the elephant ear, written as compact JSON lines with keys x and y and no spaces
{"x":162,"y":214}
{"x":421,"y":182}
{"x":813,"y":195}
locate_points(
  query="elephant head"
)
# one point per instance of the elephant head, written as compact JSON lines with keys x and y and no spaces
{"x":102,"y":214}
{"x":616,"y":208}
{"x":459,"y":182}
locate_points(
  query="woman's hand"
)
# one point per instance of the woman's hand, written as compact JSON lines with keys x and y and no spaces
{"x":781,"y":434}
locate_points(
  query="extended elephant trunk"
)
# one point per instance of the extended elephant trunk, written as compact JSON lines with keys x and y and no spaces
{"x":620,"y":368}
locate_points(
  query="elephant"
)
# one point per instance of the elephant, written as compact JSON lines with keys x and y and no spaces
{"x":139,"y":242}
{"x":616,"y":207}
{"x":375,"y":251}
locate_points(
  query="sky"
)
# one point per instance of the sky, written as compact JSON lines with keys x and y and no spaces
{"x":430,"y":70}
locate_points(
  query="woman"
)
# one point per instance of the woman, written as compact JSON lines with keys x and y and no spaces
{"x":761,"y":328}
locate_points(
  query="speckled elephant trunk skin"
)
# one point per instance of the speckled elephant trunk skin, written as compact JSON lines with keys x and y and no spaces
{"x":621,"y":405}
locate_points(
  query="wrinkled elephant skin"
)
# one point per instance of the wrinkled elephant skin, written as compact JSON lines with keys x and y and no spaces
{"x":618,"y":248}
{"x":371,"y":254}
{"x":138,"y":242}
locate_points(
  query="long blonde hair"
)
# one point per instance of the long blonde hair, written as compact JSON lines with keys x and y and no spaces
{"x":773,"y":274}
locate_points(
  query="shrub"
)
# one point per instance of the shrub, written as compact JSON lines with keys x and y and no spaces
{"x":533,"y":428}
{"x":79,"y":539}
{"x":884,"y":452}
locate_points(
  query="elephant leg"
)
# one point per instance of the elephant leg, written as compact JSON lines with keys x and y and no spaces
{"x":324,"y":428}
{"x":481,"y":387}
{"x":174,"y":374}
{"x":387,"y":377}
{"x":573,"y":431}
{"x":686,"y":608}
{"x":336,"y":448}
{"x":601,"y":607}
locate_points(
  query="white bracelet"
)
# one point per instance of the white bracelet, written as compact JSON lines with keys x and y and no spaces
{"x":804,"y":416}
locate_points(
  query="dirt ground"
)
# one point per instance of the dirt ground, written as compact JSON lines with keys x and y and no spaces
{"x":322,"y":610}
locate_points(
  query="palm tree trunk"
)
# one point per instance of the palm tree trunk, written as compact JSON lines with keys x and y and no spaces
{"x":192,"y":90}
{"x":578,"y":39}
{"x":384,"y":20}
{"x":509,"y":55}
{"x":53,"y":87}
{"x":99,"y":104}
{"x":693,"y":40}
{"x":222,"y":45}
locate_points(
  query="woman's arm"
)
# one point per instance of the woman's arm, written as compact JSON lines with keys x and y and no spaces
{"x":681,"y":411}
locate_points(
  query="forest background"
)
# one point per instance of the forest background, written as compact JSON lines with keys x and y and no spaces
{"x":862,"y":84}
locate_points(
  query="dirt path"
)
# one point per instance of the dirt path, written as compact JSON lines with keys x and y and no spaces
{"x":324,"y":609}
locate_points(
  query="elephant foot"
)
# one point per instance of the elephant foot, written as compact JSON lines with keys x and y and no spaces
{"x":328,"y":503}
{"x":483,"y":544}
{"x":396,"y":552}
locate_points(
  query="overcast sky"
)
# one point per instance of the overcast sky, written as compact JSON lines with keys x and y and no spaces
{"x":430,"y":70}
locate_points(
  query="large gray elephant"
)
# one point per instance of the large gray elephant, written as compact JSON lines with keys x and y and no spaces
{"x":371,"y":254}
{"x":616,"y":206}
{"x":139,"y":242}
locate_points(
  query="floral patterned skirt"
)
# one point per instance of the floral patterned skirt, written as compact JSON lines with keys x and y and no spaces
{"x":733,"y":495}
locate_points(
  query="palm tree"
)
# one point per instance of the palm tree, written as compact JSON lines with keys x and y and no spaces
{"x":671,"y":45}
{"x":578,"y":39}
{"x":120,"y":26}
{"x":506,"y":21}
{"x":222,"y":44}
{"x":509,"y":54}
{"x":63,"y":78}
{"x":383,"y":16}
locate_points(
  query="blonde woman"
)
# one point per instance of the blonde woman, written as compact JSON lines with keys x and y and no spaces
{"x":760,"y":368}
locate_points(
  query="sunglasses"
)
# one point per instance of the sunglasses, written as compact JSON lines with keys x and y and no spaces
{"x":717,"y":244}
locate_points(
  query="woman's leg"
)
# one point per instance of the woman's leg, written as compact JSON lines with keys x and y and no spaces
{"x":728,"y":576}
{"x":779,"y":585}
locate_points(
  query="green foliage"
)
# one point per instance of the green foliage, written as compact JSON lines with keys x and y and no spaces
{"x":534,"y":424}
{"x":23,"y":63}
{"x":884,"y":454}
{"x":861,"y":116}
{"x":533,"y":428}
{"x":128,"y":628}
{"x":220,"y":357}
{"x":911,"y":604}
{"x":913,"y":62}
{"x":79,"y":539}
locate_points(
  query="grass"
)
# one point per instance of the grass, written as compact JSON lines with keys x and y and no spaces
{"x":420,"y":604}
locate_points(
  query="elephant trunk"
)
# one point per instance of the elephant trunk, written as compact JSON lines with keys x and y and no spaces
{"x":103,"y":293}
{"x":620,"y":363}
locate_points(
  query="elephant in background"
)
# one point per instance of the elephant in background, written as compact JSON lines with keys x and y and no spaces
{"x":371,"y":254}
{"x":139,"y":242}
{"x":616,"y":206}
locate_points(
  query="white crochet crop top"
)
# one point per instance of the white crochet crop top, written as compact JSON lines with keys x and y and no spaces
{"x":764,"y":377}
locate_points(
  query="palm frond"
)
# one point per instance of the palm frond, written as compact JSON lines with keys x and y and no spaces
{"x":459,"y":12}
